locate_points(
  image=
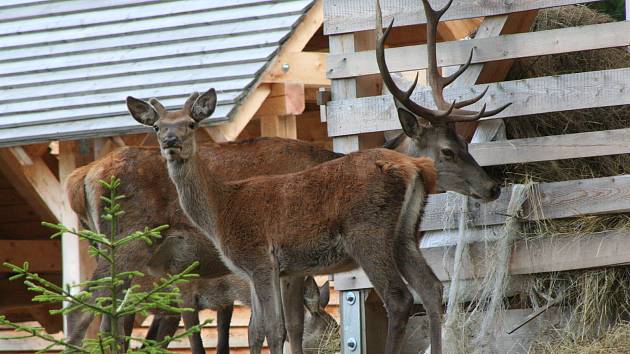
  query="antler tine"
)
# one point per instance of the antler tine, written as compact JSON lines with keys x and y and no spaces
{"x":403,"y":97}
{"x":469,"y":116}
{"x":468,"y":102}
{"x":449,"y":79}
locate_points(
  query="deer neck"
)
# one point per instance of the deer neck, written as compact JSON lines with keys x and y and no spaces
{"x":201,"y":193}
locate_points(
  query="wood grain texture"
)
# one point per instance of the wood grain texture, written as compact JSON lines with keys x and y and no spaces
{"x":556,"y":147}
{"x":528,"y":96}
{"x":510,"y":46}
{"x":343,"y":16}
{"x":557,"y":200}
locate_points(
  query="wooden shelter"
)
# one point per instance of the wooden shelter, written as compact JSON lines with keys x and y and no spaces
{"x":357,"y":110}
{"x":66,"y":69}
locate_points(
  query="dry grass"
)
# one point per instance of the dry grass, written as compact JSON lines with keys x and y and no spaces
{"x":330,"y":342}
{"x":593,"y":299}
{"x":615,"y":341}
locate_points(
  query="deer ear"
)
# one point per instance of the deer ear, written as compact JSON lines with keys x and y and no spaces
{"x":204,"y":105}
{"x":142,"y":111}
{"x":409,"y":123}
{"x":324,"y":294}
{"x":311,"y":295}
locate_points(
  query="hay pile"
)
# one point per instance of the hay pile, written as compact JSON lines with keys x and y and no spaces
{"x":594,"y":300}
{"x":585,"y":120}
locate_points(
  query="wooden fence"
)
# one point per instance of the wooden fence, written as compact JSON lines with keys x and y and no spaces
{"x":357,"y":108}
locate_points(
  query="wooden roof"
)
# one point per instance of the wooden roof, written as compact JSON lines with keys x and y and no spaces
{"x":66,"y":67}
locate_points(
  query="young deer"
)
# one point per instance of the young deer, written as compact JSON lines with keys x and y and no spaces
{"x":152,"y":200}
{"x":362,"y":209}
{"x":220,"y":294}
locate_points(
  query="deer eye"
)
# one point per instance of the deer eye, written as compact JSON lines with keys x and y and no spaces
{"x":156,"y":128}
{"x":448,"y":154}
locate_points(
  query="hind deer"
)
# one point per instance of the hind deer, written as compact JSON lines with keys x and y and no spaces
{"x":152,"y":200}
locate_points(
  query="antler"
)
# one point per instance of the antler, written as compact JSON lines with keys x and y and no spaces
{"x":445,"y":112}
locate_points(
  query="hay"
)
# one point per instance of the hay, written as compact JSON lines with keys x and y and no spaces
{"x":594,"y":300}
{"x":615,"y":341}
{"x":330,"y":341}
{"x":578,"y":121}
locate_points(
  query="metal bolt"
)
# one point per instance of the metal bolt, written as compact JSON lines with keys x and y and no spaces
{"x":352,"y":344}
{"x":350,"y":298}
{"x":285,"y":67}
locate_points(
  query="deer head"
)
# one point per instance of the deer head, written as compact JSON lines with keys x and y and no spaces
{"x":431,"y":132}
{"x":175,"y":130}
{"x":318,"y":324}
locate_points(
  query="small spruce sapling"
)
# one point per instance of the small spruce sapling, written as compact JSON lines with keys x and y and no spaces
{"x":163,"y":296}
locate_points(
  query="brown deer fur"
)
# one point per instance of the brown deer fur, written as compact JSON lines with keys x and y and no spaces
{"x":361,"y":209}
{"x":152,"y":199}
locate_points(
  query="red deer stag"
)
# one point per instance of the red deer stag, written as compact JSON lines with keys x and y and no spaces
{"x":457,"y":169}
{"x":362,"y":209}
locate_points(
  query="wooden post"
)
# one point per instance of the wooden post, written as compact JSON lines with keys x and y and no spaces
{"x":283,"y":126}
{"x":77,"y":265}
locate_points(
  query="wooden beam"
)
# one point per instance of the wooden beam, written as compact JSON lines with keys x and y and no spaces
{"x":280,"y":126}
{"x":77,"y":265}
{"x":528,"y":96}
{"x":229,"y":131}
{"x":541,"y":255}
{"x":304,"y":31}
{"x":306,"y":67}
{"x":44,"y":256}
{"x":345,"y":16}
{"x":284,"y":99}
{"x":555,"y":147}
{"x":557,"y":200}
{"x":37,"y":185}
{"x":508,"y":46}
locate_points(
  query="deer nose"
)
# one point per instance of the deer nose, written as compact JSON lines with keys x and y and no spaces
{"x":495,"y":192}
{"x":170,"y":141}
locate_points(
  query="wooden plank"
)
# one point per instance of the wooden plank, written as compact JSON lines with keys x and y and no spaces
{"x":44,"y":256}
{"x":509,"y":46}
{"x":555,"y":147}
{"x":285,"y":99}
{"x":213,"y":34}
{"x":541,"y":255}
{"x":343,"y":89}
{"x":220,"y":75}
{"x":281,"y":126}
{"x":343,"y":16}
{"x":528,"y":96}
{"x":35,"y":183}
{"x":244,"y":113}
{"x":161,"y":9}
{"x":291,"y":63}
{"x":557,"y":200}
{"x":305,"y":67}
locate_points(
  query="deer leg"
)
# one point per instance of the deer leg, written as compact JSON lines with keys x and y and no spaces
{"x":267,"y":285}
{"x":422,"y":279}
{"x":293,"y":303}
{"x":381,"y":269}
{"x":224,"y":317}
{"x":192,"y":319}
{"x":78,"y":323}
{"x":256,"y":328}
{"x":127,"y":326}
{"x":168,"y":327}
{"x":153,"y":328}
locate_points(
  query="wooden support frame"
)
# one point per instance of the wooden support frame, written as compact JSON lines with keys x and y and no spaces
{"x":290,"y":65}
{"x":344,"y":16}
{"x":34,"y":181}
{"x":43,"y":256}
